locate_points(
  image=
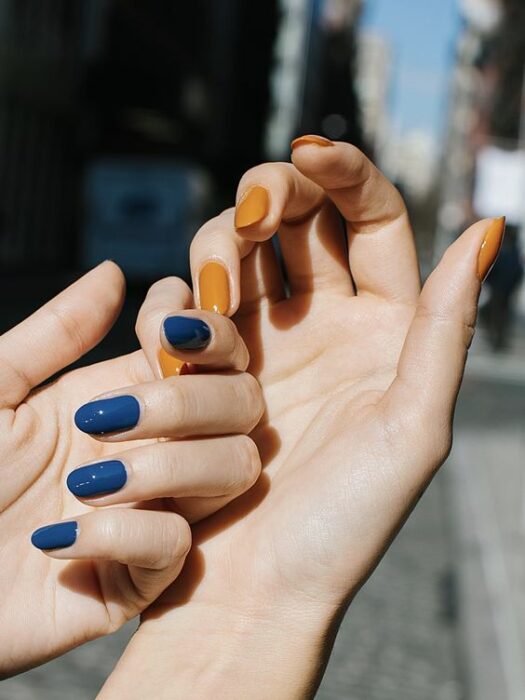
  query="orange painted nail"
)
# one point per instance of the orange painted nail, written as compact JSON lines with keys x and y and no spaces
{"x":170,"y":366}
{"x":214,"y":288}
{"x":490,"y":247}
{"x":252,"y":207}
{"x":311,"y":140}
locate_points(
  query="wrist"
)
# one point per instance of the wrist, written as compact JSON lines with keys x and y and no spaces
{"x":204,"y":651}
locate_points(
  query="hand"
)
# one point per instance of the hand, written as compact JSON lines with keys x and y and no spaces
{"x":105,"y":565}
{"x":360,"y":373}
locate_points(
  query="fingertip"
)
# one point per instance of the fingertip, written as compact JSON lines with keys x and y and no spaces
{"x":55,"y":537}
{"x":252,"y":207}
{"x":311,"y":140}
{"x":114,"y":274}
{"x":215,"y":285}
{"x":186,"y":332}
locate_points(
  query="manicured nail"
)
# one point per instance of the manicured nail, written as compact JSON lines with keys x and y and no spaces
{"x":186,"y":333}
{"x":170,"y":366}
{"x":252,"y":207}
{"x":55,"y":536}
{"x":108,"y":415}
{"x":311,"y":140}
{"x":96,"y":479}
{"x":214,"y":288}
{"x":490,"y":247}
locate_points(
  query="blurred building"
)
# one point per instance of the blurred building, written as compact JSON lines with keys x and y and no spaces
{"x":205,"y":89}
{"x":487,"y":116}
{"x":41,"y":51}
{"x":484,"y":165}
{"x":373,"y":79}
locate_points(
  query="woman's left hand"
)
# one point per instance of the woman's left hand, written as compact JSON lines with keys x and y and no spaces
{"x":103,"y":565}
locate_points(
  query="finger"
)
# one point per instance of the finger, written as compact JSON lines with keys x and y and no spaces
{"x":310,"y":233}
{"x":167,"y":295}
{"x":60,"y":332}
{"x":221,"y":467}
{"x":215,"y":258}
{"x":433,"y":358}
{"x":381,"y":247}
{"x":207,"y":404}
{"x":204,"y":338}
{"x":153,"y":544}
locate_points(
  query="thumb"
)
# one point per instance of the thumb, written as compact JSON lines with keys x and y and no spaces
{"x":433,"y":358}
{"x":59,"y":332}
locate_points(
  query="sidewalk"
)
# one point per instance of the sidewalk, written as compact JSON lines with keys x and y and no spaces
{"x":488,"y":495}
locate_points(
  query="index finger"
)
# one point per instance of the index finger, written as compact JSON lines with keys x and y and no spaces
{"x":381,"y":246}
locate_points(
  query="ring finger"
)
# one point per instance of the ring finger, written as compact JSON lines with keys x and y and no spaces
{"x":206,"y":468}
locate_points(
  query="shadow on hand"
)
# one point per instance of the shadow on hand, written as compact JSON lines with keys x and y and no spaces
{"x":295,"y":240}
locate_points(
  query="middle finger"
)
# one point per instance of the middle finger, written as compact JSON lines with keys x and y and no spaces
{"x":208,"y":404}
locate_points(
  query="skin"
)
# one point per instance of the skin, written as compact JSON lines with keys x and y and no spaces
{"x":360,"y":374}
{"x":123,"y":558}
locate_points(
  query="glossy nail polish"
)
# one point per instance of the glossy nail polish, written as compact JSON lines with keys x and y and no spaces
{"x":116,"y":414}
{"x":186,"y":333}
{"x":214,"y":288}
{"x":311,"y":140}
{"x":490,"y":247}
{"x":170,"y":366}
{"x":252,"y":207}
{"x":55,"y":536}
{"x":96,"y":479}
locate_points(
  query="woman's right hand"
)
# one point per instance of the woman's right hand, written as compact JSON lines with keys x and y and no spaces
{"x":360,"y":371}
{"x":101,"y":566}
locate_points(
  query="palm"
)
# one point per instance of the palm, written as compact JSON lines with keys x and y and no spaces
{"x":324,"y":360}
{"x":66,"y":602}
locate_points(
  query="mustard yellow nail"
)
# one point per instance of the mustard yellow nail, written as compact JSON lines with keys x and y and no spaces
{"x":169,"y":366}
{"x":490,"y":247}
{"x":311,"y":140}
{"x":214,"y":288}
{"x":252,"y":207}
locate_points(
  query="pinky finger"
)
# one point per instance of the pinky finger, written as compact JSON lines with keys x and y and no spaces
{"x":153,"y":544}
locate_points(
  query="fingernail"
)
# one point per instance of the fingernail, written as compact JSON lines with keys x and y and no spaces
{"x":170,"y":366}
{"x":214,"y":288}
{"x":311,"y":139}
{"x":55,"y":536}
{"x":490,"y":247}
{"x":95,"y":479}
{"x":252,"y":207}
{"x":108,"y":415}
{"x":186,"y":333}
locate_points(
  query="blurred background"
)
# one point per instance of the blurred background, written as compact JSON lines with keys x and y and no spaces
{"x":124,"y":124}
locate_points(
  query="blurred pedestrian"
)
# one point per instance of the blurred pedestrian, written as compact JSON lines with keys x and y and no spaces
{"x":504,"y":280}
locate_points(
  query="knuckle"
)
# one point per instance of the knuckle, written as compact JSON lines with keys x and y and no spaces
{"x":181,"y":536}
{"x":172,"y":536}
{"x":254,"y":398}
{"x":180,"y":400}
{"x":112,"y":531}
{"x":154,"y":307}
{"x":439,"y":446}
{"x":70,"y":327}
{"x":206,"y":230}
{"x":249,"y":459}
{"x":226,"y":335}
{"x":462,"y":320}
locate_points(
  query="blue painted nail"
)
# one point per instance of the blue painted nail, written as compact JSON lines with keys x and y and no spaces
{"x":186,"y":333}
{"x":55,"y":536}
{"x":95,"y":479}
{"x":108,"y":415}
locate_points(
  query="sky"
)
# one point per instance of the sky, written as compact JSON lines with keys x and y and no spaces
{"x":422,"y":36}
